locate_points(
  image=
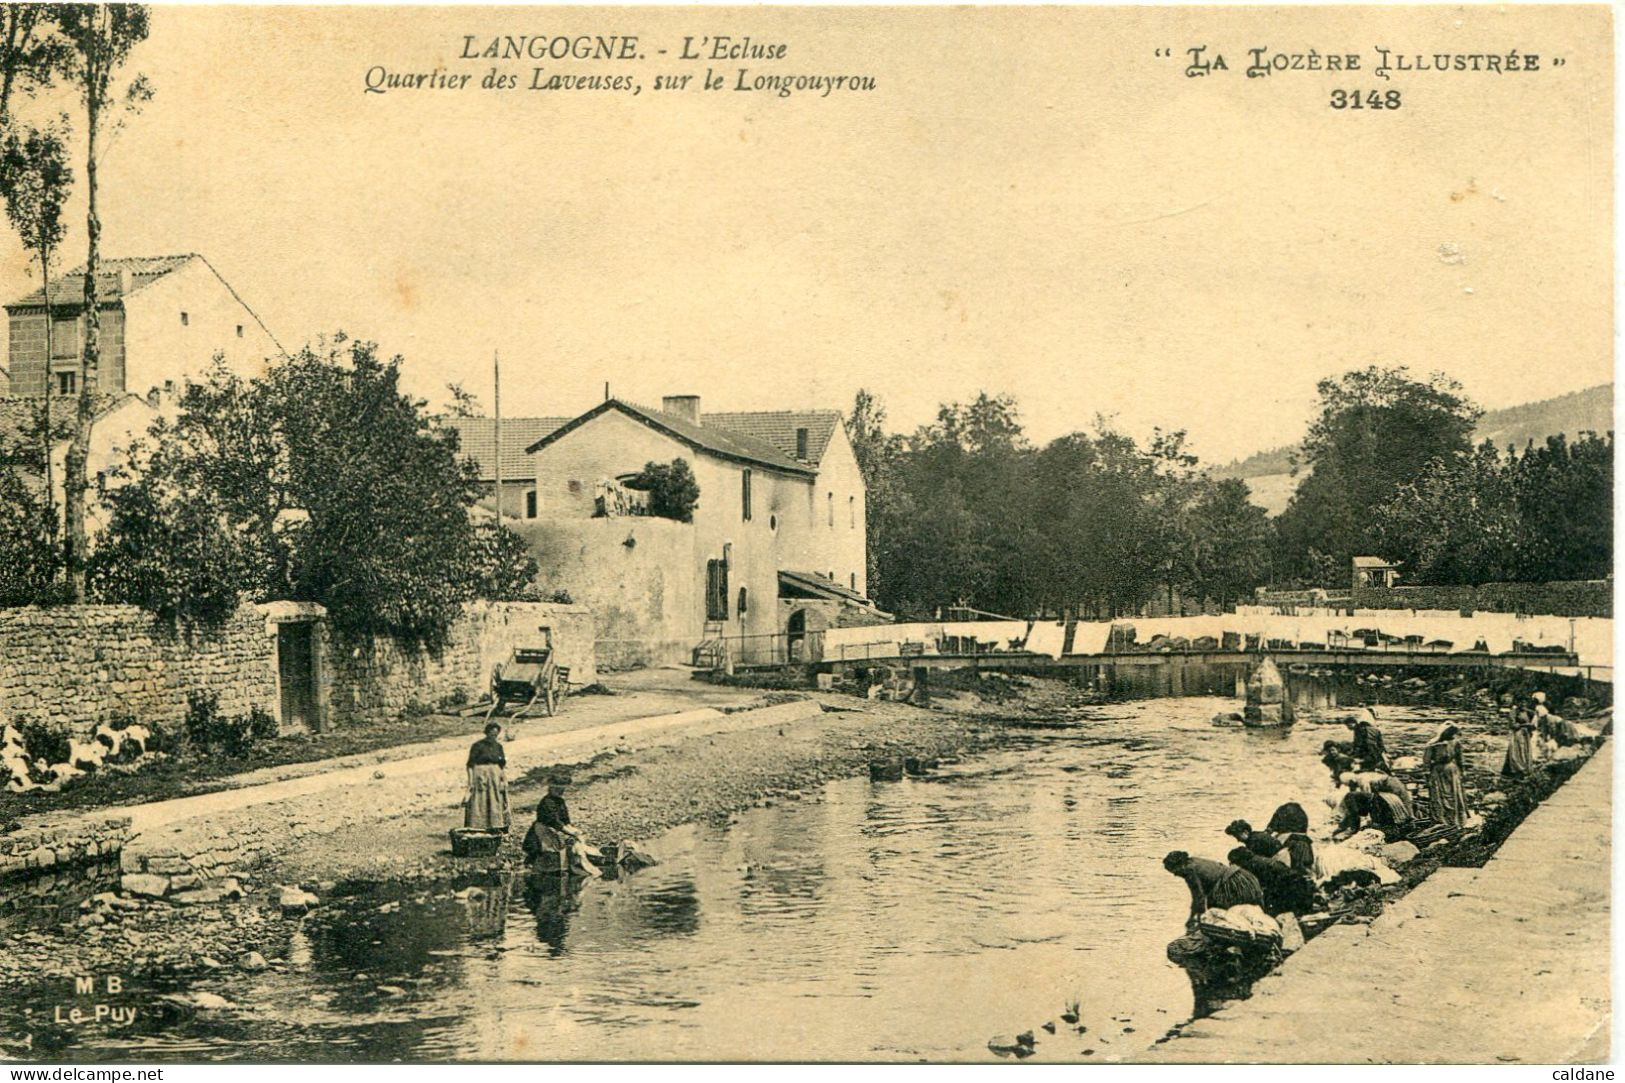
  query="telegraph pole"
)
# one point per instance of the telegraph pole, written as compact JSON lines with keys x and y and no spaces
{"x":496,"y":396}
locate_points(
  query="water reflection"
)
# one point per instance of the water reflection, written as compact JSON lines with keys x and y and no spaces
{"x":889,"y":920}
{"x":552,"y":900}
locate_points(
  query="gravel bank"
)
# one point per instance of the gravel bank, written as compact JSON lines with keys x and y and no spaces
{"x":154,"y":944}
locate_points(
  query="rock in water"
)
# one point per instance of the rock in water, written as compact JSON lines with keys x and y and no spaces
{"x":1266,"y":695}
{"x":295,"y":901}
{"x":210,"y":1001}
{"x":885,"y":770}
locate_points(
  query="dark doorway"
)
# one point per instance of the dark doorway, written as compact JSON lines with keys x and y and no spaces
{"x":296,"y":668}
{"x":796,"y":634}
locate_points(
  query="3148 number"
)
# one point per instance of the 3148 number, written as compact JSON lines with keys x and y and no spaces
{"x":1368,"y":99}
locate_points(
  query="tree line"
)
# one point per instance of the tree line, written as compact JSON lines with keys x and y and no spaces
{"x":1389,"y":469}
{"x":967,"y":511}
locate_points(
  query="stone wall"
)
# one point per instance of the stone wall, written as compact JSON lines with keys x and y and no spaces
{"x":647,"y":597}
{"x":27,"y":853}
{"x":381,"y":680}
{"x":44,"y":871}
{"x":83,"y":664}
{"x":1580,"y":598}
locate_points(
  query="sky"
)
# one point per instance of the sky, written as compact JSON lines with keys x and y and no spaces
{"x":1030,"y":202}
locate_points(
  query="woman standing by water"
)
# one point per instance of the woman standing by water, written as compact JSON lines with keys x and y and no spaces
{"x":486,"y":807}
{"x":1442,"y":758}
{"x":1520,"y":761}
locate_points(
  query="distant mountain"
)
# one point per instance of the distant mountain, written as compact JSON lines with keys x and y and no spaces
{"x":1591,"y":410}
{"x":1269,"y":473}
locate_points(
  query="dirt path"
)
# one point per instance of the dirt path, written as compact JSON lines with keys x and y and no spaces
{"x":1506,"y":963}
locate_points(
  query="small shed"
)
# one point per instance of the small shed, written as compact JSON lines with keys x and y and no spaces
{"x":1374,"y":572}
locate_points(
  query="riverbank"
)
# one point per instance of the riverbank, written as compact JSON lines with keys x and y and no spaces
{"x":1506,"y":963}
{"x":365,"y":845}
{"x":390,"y":821}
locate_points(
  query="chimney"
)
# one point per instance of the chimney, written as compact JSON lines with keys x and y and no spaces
{"x":801,"y":445}
{"x":123,"y":280}
{"x":686,"y":407}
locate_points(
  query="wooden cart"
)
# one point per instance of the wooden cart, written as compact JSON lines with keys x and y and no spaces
{"x":529,"y":676}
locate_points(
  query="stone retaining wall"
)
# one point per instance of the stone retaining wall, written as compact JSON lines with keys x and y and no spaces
{"x":36,"y":851}
{"x":383,"y":679}
{"x":84,"y":664}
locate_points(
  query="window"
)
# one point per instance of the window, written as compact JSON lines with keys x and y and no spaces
{"x":744,"y":495}
{"x":854,"y":578}
{"x":186,"y":320}
{"x":575,"y":486}
{"x":239,"y":330}
{"x":852,"y":512}
{"x":801,"y":444}
{"x":832,"y":513}
{"x":530,"y":504}
{"x":716,"y":590}
{"x":743,"y":601}
{"x":65,"y":337}
{"x":101,"y":483}
{"x":65,"y":382}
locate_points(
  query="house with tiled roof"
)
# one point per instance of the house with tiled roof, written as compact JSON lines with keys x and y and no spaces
{"x":163,"y":319}
{"x":776,"y":549}
{"x":477,"y":437}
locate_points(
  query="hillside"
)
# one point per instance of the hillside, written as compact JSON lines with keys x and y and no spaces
{"x":1269,"y":473}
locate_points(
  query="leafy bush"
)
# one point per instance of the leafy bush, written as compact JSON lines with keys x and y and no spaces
{"x":416,"y":708}
{"x":234,"y":734}
{"x":202,"y":718}
{"x":161,"y":739}
{"x":44,"y":739}
{"x":500,"y":565}
{"x":262,"y":725}
{"x":672,"y":490}
{"x":457,"y":697}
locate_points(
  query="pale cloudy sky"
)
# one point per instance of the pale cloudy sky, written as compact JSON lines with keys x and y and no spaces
{"x":1030,"y":202}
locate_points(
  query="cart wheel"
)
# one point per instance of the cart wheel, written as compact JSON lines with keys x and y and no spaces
{"x":496,"y":698}
{"x":552,"y":699}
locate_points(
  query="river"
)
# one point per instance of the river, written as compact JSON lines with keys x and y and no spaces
{"x":868,"y":921}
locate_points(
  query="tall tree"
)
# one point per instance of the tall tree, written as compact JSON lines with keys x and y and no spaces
{"x":879,"y":456}
{"x":319,"y":482}
{"x":1565,"y":497}
{"x":1233,"y":538}
{"x":100,"y":37}
{"x":35,"y":179}
{"x":31,"y":51}
{"x":1377,"y":429}
{"x":464,"y":403}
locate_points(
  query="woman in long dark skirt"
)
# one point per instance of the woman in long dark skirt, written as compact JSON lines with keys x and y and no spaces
{"x":1286,"y":891}
{"x":1442,"y":758}
{"x":1212,"y":885}
{"x":1290,"y":824}
{"x":1520,"y":760}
